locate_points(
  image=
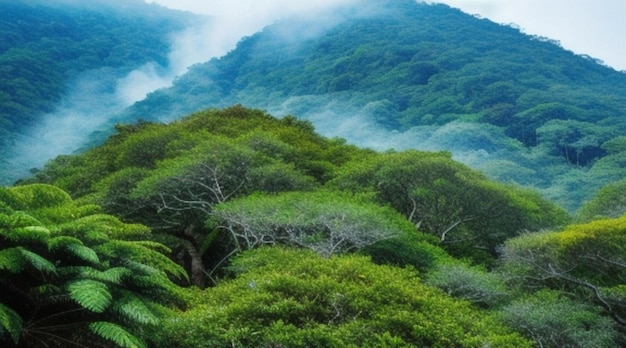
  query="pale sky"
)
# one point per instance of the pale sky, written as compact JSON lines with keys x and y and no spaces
{"x":592,"y":27}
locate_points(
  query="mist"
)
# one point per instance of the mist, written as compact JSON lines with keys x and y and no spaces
{"x":94,"y":98}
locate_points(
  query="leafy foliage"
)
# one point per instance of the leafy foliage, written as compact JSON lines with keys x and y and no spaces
{"x":552,"y":320}
{"x":325,"y":222}
{"x":449,"y":200}
{"x":589,"y":260}
{"x":65,"y":276}
{"x":295,"y":298}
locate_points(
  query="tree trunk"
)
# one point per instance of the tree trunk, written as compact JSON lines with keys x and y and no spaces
{"x":198,"y":278}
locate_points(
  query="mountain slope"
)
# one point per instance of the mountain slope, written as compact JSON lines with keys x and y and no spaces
{"x":48,"y":48}
{"x":403,"y":74}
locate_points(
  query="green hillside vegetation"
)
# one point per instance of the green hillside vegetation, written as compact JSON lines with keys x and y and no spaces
{"x":517,"y":107}
{"x":289,"y":238}
{"x":44,"y":47}
{"x":230,"y":227}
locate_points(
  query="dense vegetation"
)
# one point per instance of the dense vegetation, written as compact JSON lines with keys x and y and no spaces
{"x":45,"y":47}
{"x":293,"y":239}
{"x":233,"y":228}
{"x":519,"y":108}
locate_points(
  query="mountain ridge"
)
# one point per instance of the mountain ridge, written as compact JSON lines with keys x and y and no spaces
{"x":424,"y":76}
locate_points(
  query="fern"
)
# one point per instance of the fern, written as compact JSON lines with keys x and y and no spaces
{"x":12,"y":260}
{"x":27,"y":234}
{"x":40,"y":263}
{"x":21,"y":219}
{"x":75,"y":247}
{"x":10,"y":322}
{"x":90,"y":294}
{"x":144,"y":253}
{"x":113,"y":275}
{"x":83,"y":252}
{"x":135,"y":309}
{"x":116,"y":334}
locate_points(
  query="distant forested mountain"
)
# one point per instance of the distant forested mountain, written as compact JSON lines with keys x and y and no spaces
{"x":411,"y":75}
{"x":46,"y":46}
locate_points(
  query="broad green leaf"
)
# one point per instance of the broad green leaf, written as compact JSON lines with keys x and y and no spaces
{"x":91,"y":294}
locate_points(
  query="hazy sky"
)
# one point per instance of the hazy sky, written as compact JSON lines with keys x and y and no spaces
{"x":593,"y":27}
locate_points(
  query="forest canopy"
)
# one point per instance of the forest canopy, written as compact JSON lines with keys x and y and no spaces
{"x":277,"y":235}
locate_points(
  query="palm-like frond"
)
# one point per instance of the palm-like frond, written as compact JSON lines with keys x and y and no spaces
{"x":90,"y":294}
{"x":10,"y":322}
{"x":145,"y":253}
{"x":22,"y":219}
{"x":27,"y":234}
{"x":75,"y":247}
{"x":135,"y":308}
{"x":37,"y":261}
{"x":116,"y":334}
{"x":12,"y":260}
{"x":114,"y":275}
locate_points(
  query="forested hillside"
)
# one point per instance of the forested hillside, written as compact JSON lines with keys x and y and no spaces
{"x":48,"y":48}
{"x":412,"y":75}
{"x":288,"y":238}
{"x":372,"y":199}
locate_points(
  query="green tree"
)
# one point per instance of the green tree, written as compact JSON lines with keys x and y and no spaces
{"x":609,"y":202}
{"x":326,"y":222}
{"x":296,"y":298}
{"x":554,"y":321}
{"x":447,"y":199}
{"x":72,"y":276}
{"x":588,"y":260}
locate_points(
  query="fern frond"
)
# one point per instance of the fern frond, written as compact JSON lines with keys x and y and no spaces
{"x":90,"y":294}
{"x":40,"y":263}
{"x":12,"y":260}
{"x":75,"y":247}
{"x":156,"y":246}
{"x":143,"y":252}
{"x":83,"y":252}
{"x":27,"y":234}
{"x":37,"y":196}
{"x":5,"y":220}
{"x":135,"y":309}
{"x":22,"y":219}
{"x":113,"y":275}
{"x":117,"y":334}
{"x":116,"y":274}
{"x":11,"y":322}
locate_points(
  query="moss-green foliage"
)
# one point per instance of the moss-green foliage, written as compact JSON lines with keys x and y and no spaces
{"x":460,"y":207}
{"x":588,"y":261}
{"x":553,"y":320}
{"x":237,"y":175}
{"x":326,"y":222}
{"x":72,"y":277}
{"x":294,"y":298}
{"x":610,"y":202}
{"x":171,"y":177}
